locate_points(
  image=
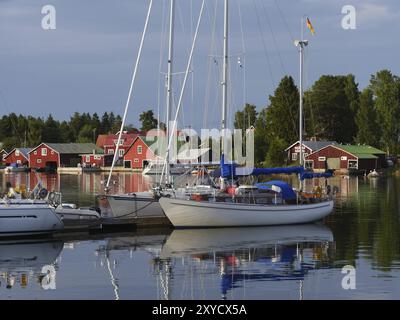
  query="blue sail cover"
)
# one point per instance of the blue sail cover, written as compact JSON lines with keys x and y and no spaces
{"x":288,"y":170}
{"x":311,"y":175}
{"x":227,"y":170}
{"x":286,"y":189}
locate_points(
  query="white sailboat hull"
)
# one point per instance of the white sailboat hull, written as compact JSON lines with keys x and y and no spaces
{"x":139,"y":204}
{"x":189,"y":213}
{"x":26,"y":219}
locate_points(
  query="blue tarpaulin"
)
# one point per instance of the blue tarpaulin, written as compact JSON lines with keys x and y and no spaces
{"x":310,"y":175}
{"x":228,"y":170}
{"x":266,"y":171}
{"x":286,"y":189}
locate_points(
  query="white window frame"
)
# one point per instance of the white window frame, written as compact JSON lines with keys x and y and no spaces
{"x":87,"y":158}
{"x":121,"y":152}
{"x":352,"y":160}
{"x":38,"y":160}
{"x":110,"y":151}
{"x":321,"y":159}
{"x":44,"y":152}
{"x":307,"y":162}
{"x":97,"y":157}
{"x":35,"y":152}
{"x":136,"y":160}
{"x":19,"y":161}
{"x":139,"y":148}
{"x":17,"y":153}
{"x":294,"y":156}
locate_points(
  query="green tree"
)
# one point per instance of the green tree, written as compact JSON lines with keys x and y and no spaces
{"x":283,"y":112}
{"x":35,"y":128}
{"x":65,"y":132}
{"x":275,"y":155}
{"x":148,"y":121}
{"x":117,"y":124}
{"x":105,"y":126}
{"x":51,"y":131}
{"x":86,"y":134}
{"x":367,"y":125}
{"x":328,"y":109}
{"x":76,"y":123}
{"x":246,"y":118}
{"x":261,"y":137}
{"x":386,"y":89}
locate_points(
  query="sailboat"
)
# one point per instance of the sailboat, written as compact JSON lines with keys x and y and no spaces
{"x":275,"y":203}
{"x":145,"y":204}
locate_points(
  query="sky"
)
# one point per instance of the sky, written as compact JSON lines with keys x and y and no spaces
{"x":86,"y":63}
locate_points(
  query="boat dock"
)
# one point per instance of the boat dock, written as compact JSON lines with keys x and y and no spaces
{"x":105,"y":225}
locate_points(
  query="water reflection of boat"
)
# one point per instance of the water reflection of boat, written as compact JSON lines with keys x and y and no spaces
{"x":151,"y":242}
{"x":20,"y":260}
{"x":191,"y":241}
{"x":240,"y":256}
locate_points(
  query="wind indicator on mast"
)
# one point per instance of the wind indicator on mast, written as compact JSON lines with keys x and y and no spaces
{"x":301,"y":44}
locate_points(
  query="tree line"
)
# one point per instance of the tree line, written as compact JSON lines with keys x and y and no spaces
{"x":334,"y":109}
{"x":29,"y":131}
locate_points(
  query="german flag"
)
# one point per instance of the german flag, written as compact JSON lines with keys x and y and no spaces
{"x":310,"y":27}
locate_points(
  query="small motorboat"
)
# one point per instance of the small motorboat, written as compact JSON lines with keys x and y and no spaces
{"x":373,"y":174}
{"x":71,"y":211}
{"x":27,"y":218}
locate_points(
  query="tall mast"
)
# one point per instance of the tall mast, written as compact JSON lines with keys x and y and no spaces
{"x":116,"y":153}
{"x":225,"y":75}
{"x":169,"y":83}
{"x":301,"y":44}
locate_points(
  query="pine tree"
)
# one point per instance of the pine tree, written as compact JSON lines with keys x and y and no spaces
{"x":148,"y":120}
{"x":283,"y":112}
{"x":329,"y":113}
{"x":246,"y":118}
{"x":367,"y":125}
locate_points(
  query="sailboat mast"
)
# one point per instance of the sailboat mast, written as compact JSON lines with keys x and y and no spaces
{"x":169,"y":83}
{"x":301,"y":44}
{"x":116,"y":152}
{"x":301,"y":104}
{"x":225,"y":75}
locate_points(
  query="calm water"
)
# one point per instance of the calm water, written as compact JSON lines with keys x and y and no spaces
{"x":288,"y":262}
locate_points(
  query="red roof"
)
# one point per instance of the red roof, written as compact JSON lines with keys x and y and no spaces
{"x":111,"y":139}
{"x":129,"y":138}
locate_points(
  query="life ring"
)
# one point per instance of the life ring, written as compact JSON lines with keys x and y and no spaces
{"x":43,"y":193}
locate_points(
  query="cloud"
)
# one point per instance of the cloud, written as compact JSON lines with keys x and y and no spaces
{"x":372,"y":14}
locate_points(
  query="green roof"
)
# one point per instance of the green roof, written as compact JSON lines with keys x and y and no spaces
{"x":362,"y":152}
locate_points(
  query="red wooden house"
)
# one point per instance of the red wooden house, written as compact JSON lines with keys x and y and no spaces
{"x":19,"y":156}
{"x":108,"y":142}
{"x":54,"y":155}
{"x":309,"y":147}
{"x":3,"y":154}
{"x":96,"y":160}
{"x":345,"y":158}
{"x":139,"y":154}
